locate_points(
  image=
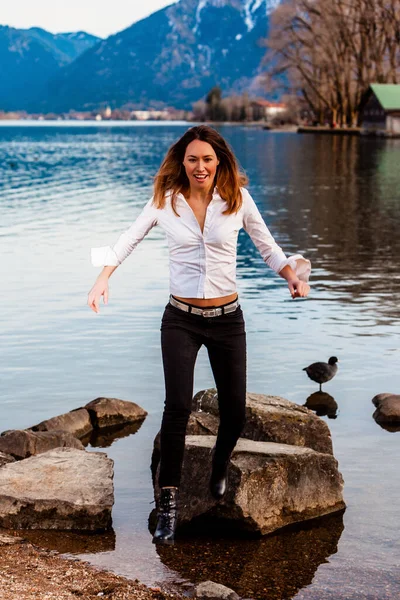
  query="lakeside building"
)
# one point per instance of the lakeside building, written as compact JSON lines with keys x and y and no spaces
{"x":147,"y":115}
{"x":380,"y":110}
{"x":265,"y":110}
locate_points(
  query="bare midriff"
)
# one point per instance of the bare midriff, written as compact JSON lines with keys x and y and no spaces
{"x":205,"y":302}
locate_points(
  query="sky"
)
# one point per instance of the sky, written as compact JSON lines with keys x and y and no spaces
{"x":98,"y":17}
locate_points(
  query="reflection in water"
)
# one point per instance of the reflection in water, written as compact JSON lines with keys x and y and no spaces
{"x":388,"y":427}
{"x":71,"y":542}
{"x":103,"y":438}
{"x":323,"y":404}
{"x":274,"y":567}
{"x":336,"y":200}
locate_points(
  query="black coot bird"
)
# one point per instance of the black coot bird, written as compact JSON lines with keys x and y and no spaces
{"x":322,"y":372}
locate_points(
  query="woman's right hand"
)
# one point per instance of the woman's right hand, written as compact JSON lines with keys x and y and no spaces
{"x":99,"y":289}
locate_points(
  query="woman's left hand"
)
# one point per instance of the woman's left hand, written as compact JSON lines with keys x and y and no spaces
{"x":298,"y":289}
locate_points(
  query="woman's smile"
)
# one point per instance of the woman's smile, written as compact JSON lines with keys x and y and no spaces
{"x":200,"y":163}
{"x":200,"y":177}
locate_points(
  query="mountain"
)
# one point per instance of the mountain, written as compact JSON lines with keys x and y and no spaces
{"x":171,"y":58}
{"x":29,"y":57}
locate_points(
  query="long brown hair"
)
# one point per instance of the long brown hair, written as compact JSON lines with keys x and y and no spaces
{"x":172,"y":176}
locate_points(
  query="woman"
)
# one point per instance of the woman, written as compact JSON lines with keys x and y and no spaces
{"x":200,"y":202}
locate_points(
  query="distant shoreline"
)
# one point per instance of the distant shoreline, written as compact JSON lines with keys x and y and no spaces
{"x":320,"y":130}
{"x":137,"y":123}
{"x":82,"y":123}
{"x":329,"y":130}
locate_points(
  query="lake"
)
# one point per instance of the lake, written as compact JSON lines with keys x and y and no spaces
{"x":65,"y":189}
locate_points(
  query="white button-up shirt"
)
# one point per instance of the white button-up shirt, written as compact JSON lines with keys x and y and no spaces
{"x":202,"y":264}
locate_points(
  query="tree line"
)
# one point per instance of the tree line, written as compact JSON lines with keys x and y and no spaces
{"x":234,"y":108}
{"x":327,"y":52}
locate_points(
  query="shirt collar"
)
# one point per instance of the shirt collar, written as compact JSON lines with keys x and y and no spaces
{"x":215,"y":195}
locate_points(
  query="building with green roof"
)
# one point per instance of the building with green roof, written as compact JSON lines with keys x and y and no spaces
{"x":380,"y":110}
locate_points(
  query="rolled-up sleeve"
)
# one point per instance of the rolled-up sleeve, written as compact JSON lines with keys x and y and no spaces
{"x":271,"y":253}
{"x":127,"y":241}
{"x":300,"y":265}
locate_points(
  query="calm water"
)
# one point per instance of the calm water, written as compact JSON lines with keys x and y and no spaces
{"x":64,"y":189}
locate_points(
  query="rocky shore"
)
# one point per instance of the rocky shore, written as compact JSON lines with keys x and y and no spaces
{"x":28,"y":572}
{"x":48,"y":480}
{"x":282,"y":472}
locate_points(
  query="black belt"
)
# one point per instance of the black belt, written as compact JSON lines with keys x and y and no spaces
{"x":205,"y":312}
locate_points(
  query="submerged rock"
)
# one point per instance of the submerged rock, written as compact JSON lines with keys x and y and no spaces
{"x":72,"y":542}
{"x":274,"y":419}
{"x":108,"y":412}
{"x":9,"y":540}
{"x":5,"y":459}
{"x":209,"y":590}
{"x":76,"y":422}
{"x":387,"y":408}
{"x":64,"y":488}
{"x":22,"y":443}
{"x":270,"y":485}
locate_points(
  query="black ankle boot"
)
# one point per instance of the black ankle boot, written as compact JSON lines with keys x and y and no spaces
{"x":167,"y":516}
{"x":219,"y":478}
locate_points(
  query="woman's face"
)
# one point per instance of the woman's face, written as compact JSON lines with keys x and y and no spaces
{"x":200,"y":164}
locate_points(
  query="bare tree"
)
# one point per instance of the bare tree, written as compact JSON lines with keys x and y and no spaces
{"x":329,"y":51}
{"x":199,"y":110}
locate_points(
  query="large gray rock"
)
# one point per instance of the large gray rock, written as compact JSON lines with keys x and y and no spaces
{"x":22,"y":443}
{"x":270,"y":485}
{"x":200,"y":423}
{"x":274,"y":419}
{"x":387,"y":408}
{"x":64,"y":488}
{"x":76,"y":422}
{"x":109,"y":412}
{"x":209,"y":590}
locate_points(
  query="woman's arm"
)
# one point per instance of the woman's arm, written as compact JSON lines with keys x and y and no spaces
{"x":110,"y":258}
{"x":295,"y":269}
{"x":100,"y":288}
{"x":128,"y":240}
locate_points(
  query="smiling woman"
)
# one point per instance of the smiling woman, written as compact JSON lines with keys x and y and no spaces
{"x":201,"y":204}
{"x":200,"y":164}
{"x":201,"y":153}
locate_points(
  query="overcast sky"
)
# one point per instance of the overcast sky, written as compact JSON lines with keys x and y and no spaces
{"x":98,"y":17}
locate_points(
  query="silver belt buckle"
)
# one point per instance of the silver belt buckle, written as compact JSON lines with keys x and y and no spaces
{"x":232,"y":307}
{"x":212,"y":312}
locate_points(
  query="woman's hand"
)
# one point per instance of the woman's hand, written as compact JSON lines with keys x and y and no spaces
{"x":99,"y":289}
{"x":297,"y":288}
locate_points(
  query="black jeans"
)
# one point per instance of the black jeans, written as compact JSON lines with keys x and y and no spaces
{"x":182,"y":335}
